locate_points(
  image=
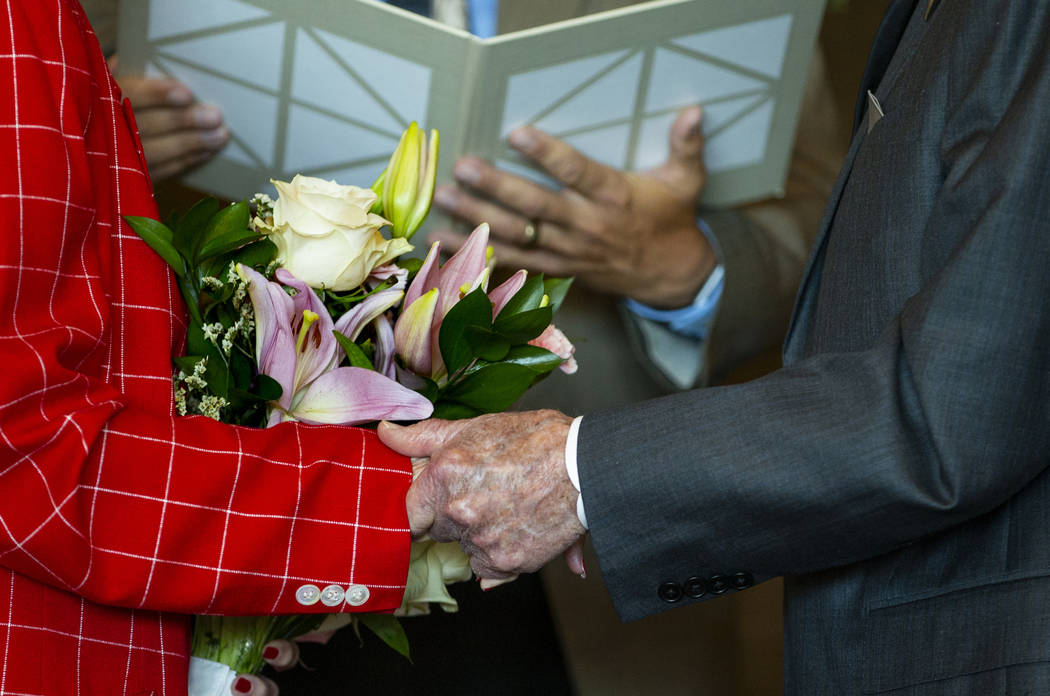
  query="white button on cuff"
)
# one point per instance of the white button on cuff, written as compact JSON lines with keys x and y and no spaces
{"x":333,"y":596}
{"x":356,"y":595}
{"x":307,"y":595}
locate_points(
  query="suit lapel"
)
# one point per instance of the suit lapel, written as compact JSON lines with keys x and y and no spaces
{"x":887,"y":39}
{"x":880,"y":73}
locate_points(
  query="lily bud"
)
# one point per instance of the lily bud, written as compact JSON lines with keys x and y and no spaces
{"x":407,"y":185}
{"x":413,"y":332}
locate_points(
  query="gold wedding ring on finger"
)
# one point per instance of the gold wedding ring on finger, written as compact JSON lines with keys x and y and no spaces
{"x":531,"y":234}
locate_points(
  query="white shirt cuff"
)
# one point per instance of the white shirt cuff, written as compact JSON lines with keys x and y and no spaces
{"x":573,"y":470}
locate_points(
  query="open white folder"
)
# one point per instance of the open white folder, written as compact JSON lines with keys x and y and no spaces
{"x":325,"y":87}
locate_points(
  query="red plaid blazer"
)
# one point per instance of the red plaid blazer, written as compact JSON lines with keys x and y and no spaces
{"x":118,"y":518}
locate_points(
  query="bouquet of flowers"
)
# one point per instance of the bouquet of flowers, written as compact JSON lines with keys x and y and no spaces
{"x":303,"y":309}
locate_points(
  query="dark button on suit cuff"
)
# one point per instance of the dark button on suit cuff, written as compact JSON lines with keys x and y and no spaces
{"x":718,"y":584}
{"x":670,"y":592}
{"x":696,"y":587}
{"x":742,"y":580}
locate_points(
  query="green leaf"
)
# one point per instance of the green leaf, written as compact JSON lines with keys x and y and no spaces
{"x":486,"y":344}
{"x":230,"y":241}
{"x":159,"y":239}
{"x":242,"y":369}
{"x":450,"y":410}
{"x":378,"y":186}
{"x":556,"y":289}
{"x":267,"y":388}
{"x":389,"y":629}
{"x":257,"y":254}
{"x":229,"y":223}
{"x":242,"y":399}
{"x":356,"y":356}
{"x":411,"y":264}
{"x":473,"y":310}
{"x":529,"y":297}
{"x":492,"y":388}
{"x":190,"y":227}
{"x":524,"y":326}
{"x":191,"y":294}
{"x":539,"y":360}
{"x":369,"y":350}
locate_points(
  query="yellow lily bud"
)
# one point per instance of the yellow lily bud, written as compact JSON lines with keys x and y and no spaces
{"x":377,"y":187}
{"x":407,"y":185}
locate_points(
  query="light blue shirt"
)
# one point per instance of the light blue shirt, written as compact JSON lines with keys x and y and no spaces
{"x":482,"y":16}
{"x":694,"y":320}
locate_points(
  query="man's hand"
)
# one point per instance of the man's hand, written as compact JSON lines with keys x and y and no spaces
{"x":628,"y":234}
{"x":177,"y":133}
{"x":497,"y":484}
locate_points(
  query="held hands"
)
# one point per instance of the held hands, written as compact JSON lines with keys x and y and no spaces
{"x":498,"y":485}
{"x":177,"y":133}
{"x":629,"y":234}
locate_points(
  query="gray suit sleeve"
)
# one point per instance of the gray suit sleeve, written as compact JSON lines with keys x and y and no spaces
{"x":846,"y":455}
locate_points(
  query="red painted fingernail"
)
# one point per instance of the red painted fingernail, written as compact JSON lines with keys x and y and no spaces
{"x":270,"y":652}
{"x":242,"y":686}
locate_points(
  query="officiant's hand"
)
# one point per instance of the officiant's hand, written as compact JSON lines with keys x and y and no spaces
{"x":177,"y":132}
{"x":623,"y":233}
{"x":497,"y":484}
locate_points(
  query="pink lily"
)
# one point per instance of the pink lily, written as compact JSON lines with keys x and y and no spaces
{"x":380,"y":274}
{"x":296,"y":347}
{"x":414,"y":335}
{"x":435,"y":290}
{"x":384,"y":358}
{"x":558,"y":343}
{"x":508,"y":289}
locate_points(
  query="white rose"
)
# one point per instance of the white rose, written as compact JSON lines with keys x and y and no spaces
{"x":325,"y":235}
{"x":431,"y":566}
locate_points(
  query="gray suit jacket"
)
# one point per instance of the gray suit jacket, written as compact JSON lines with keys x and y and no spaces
{"x":895,"y":471}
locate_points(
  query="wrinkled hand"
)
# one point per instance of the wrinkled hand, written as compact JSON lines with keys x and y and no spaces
{"x":628,"y":234}
{"x":497,"y":484}
{"x":177,"y":133}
